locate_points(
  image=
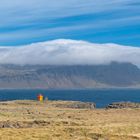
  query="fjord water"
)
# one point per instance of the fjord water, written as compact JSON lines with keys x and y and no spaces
{"x":102,"y":97}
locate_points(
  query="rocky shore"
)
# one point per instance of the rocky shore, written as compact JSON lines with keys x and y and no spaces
{"x":91,"y":105}
{"x":120,"y":105}
{"x":77,"y":105}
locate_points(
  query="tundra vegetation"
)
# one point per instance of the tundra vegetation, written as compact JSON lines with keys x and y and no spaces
{"x":59,"y":120}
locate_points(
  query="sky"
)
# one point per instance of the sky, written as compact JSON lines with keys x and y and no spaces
{"x":24,"y":22}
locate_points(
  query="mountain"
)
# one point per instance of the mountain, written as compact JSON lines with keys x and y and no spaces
{"x":69,"y":64}
{"x":69,"y":76}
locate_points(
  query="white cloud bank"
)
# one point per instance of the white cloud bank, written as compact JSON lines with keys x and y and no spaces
{"x":69,"y":52}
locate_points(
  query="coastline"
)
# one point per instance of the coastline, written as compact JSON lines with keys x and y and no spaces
{"x":102,"y":97}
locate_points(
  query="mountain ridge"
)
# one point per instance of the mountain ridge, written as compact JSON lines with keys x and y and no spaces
{"x":113,"y":75}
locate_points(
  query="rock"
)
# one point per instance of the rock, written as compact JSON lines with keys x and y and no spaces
{"x":77,"y":105}
{"x":23,"y":124}
{"x":120,"y":105}
{"x":7,"y":124}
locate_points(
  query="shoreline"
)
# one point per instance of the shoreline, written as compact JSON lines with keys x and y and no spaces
{"x":81,"y":105}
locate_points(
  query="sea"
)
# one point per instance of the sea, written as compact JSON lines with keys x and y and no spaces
{"x":102,"y":97}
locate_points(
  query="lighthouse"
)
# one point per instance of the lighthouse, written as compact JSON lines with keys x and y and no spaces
{"x":40,"y":97}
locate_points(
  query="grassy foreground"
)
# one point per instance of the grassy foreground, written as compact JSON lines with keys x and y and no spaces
{"x":32,"y":120}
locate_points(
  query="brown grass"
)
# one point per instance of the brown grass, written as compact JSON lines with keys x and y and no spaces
{"x":54,"y":123}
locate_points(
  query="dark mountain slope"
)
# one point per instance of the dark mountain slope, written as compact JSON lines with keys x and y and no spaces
{"x":77,"y":76}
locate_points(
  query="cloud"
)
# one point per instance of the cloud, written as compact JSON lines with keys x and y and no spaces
{"x":69,"y":52}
